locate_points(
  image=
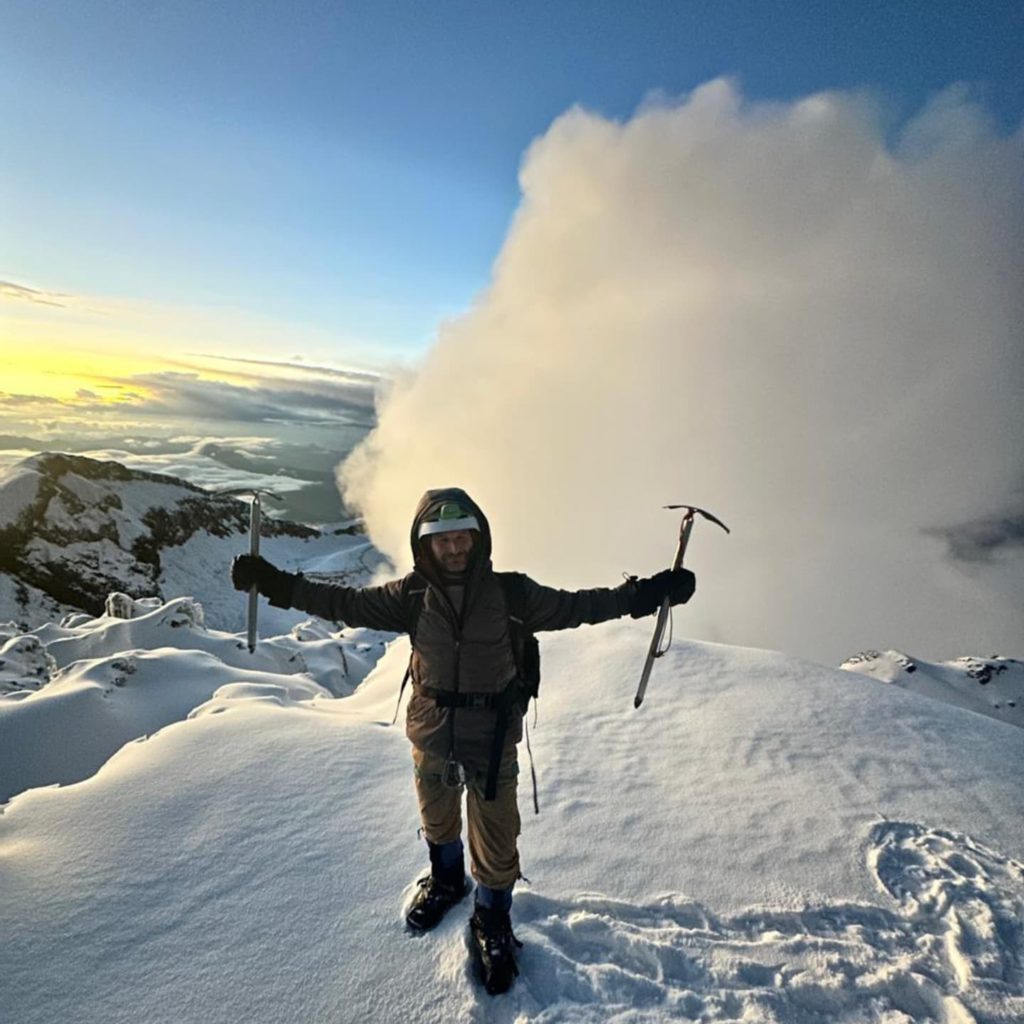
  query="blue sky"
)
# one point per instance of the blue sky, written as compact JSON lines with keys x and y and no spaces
{"x":350,"y":167}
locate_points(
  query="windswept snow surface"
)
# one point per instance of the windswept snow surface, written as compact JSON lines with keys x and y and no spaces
{"x":765,"y":840}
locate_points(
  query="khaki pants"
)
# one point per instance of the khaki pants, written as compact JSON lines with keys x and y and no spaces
{"x":493,"y":825}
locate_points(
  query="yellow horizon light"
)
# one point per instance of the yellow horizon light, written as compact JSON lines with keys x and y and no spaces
{"x":62,"y":372}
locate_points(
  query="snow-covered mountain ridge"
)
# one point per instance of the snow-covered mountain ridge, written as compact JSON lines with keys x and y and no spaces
{"x":989,"y":686}
{"x":73,"y":529}
{"x":765,"y":840}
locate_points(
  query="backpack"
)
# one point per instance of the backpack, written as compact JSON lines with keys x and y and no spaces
{"x":525,"y":650}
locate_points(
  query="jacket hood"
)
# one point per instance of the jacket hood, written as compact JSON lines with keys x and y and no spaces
{"x":429,"y":506}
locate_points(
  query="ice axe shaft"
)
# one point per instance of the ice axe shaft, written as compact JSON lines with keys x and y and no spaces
{"x":653,"y":652}
{"x":254,"y":549}
{"x":663,"y":612}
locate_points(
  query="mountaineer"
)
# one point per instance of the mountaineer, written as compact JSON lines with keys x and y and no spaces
{"x":471,"y":631}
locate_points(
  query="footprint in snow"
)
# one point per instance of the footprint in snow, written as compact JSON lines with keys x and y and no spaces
{"x":950,"y":953}
{"x":975,"y":894}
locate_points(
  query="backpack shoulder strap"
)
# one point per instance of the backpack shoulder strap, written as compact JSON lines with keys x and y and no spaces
{"x":513,"y":584}
{"x":414,"y":589}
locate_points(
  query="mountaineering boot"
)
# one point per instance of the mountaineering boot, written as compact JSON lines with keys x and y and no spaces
{"x":441,"y":889}
{"x":494,"y":946}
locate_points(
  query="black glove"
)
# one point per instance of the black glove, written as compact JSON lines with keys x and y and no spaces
{"x":677,"y":585}
{"x":273,"y":583}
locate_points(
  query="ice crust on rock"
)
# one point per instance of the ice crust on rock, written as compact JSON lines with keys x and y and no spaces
{"x":121,"y":606}
{"x":24,"y":665}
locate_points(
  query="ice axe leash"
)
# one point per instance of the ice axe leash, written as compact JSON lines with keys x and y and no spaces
{"x":665,"y":611}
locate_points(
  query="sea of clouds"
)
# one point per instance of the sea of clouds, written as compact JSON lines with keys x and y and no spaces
{"x":774,"y":310}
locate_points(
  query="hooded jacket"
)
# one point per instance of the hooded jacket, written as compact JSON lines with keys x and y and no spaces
{"x":462,"y":640}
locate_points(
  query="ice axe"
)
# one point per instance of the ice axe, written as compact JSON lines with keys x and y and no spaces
{"x":255,"y":524}
{"x":663,"y":612}
{"x":255,"y":521}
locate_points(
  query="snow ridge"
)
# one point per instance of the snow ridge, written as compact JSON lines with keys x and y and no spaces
{"x":989,"y":686}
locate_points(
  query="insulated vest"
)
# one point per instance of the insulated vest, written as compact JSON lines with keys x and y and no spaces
{"x":516,"y":695}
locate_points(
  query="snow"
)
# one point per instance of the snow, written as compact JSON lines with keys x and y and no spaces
{"x":764,"y":840}
{"x":89,"y":492}
{"x":112,"y":680}
{"x":122,"y":503}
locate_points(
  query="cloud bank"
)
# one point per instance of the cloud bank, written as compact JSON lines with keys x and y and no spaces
{"x":764,"y":309}
{"x":333,"y":400}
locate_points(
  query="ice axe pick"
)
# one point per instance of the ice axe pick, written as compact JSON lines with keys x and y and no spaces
{"x":654,"y":651}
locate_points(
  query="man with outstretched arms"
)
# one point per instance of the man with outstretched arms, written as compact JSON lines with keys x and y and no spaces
{"x":466,"y":711}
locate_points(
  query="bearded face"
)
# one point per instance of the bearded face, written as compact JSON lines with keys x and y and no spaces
{"x":452,"y":551}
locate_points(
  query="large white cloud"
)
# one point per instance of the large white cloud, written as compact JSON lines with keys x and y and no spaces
{"x":765,"y":309}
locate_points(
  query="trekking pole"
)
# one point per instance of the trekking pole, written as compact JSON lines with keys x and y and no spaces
{"x":685,"y":527}
{"x":254,"y":550}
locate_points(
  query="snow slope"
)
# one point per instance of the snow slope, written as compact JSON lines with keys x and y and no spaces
{"x":765,"y":840}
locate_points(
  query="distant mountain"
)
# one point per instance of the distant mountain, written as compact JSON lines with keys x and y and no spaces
{"x":74,"y":529}
{"x":301,"y":475}
{"x":19,"y":441}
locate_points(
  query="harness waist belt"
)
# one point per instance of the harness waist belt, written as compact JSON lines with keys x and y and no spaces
{"x":502,"y":703}
{"x":451,"y":699}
